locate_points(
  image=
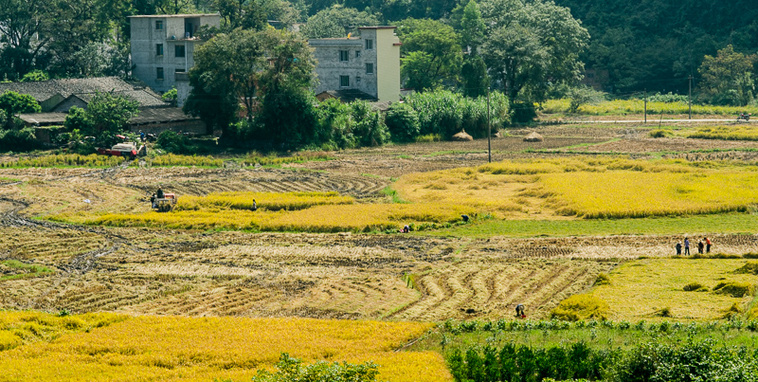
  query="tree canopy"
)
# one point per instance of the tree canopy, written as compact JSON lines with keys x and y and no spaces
{"x":337,"y":21}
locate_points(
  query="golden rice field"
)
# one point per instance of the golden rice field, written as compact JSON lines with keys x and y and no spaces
{"x":108,"y":347}
{"x":589,"y":187}
{"x":308,"y":212}
{"x":640,"y":290}
{"x":730,"y":133}
{"x":637,"y":106}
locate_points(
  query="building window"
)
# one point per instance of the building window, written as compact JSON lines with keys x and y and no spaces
{"x":344,"y":81}
{"x":369,"y":68}
{"x":357,"y":80}
{"x":357,"y":53}
{"x":159,"y":74}
{"x":159,"y":24}
{"x":369,"y":44}
{"x":344,"y":55}
{"x":179,"y":70}
{"x":179,"y":51}
{"x":158,"y":49}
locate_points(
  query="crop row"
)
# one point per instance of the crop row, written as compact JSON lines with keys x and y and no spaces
{"x":730,"y":133}
{"x":269,"y":201}
{"x":318,"y":218}
{"x":165,"y":160}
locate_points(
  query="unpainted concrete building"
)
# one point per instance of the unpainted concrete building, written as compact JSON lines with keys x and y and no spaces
{"x":164,"y":45}
{"x":369,"y":63}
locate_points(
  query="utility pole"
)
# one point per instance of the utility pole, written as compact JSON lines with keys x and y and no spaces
{"x":645,"y":106}
{"x":690,"y":95}
{"x":489,"y":129}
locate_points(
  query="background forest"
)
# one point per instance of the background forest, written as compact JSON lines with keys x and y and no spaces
{"x":648,"y":45}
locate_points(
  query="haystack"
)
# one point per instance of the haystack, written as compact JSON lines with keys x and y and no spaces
{"x":462,"y":136}
{"x":533,"y":137}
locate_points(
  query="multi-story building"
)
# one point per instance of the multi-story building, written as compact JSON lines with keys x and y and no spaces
{"x":369,"y":63}
{"x":163,"y":46}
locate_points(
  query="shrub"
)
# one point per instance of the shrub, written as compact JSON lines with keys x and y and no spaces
{"x":291,"y":370}
{"x":402,"y":122}
{"x":582,"y":95}
{"x":580,"y":307}
{"x":665,"y":312}
{"x":695,"y":287}
{"x":668,"y":98}
{"x":602,"y":279}
{"x":734,"y":289}
{"x":174,"y":142}
{"x":658,"y":133}
{"x":18,"y":140}
{"x":749,"y":268}
{"x":369,"y":127}
{"x":429,"y":138}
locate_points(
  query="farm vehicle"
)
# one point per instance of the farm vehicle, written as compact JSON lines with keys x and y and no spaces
{"x":128,"y":150}
{"x":164,"y":204}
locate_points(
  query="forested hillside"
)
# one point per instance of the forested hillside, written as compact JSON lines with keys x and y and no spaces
{"x":635,"y":45}
{"x":657,"y":44}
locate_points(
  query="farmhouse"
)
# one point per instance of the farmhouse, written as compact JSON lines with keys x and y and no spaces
{"x":56,"y":97}
{"x":368,"y":64}
{"x":163,"y":46}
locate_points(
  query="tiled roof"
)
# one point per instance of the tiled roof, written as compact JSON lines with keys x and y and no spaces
{"x":145,"y":116}
{"x":44,"y":90}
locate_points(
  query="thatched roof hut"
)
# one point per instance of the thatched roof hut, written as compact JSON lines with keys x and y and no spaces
{"x":462,"y":136}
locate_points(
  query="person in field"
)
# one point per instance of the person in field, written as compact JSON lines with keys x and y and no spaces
{"x":678,"y":247}
{"x":255,"y":205}
{"x":707,"y":245}
{"x":700,"y":246}
{"x":520,"y":311}
{"x":159,"y":194}
{"x":686,"y":246}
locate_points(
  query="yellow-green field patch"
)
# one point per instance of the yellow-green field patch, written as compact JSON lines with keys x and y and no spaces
{"x":652,"y":288}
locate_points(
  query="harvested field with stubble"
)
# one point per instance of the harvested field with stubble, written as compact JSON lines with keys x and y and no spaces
{"x":84,"y":240}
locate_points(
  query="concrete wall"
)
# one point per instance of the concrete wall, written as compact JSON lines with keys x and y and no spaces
{"x":384,"y":55}
{"x":329,"y":68}
{"x":178,"y":30}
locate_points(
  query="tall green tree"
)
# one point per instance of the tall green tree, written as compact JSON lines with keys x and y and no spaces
{"x":227,"y":70}
{"x":287,"y":115}
{"x":337,"y":21}
{"x":531,"y":45}
{"x":12,"y":104}
{"x":247,"y":14}
{"x":727,"y":78}
{"x":433,"y":53}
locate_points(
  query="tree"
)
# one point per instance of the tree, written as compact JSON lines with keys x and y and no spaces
{"x":270,"y":72}
{"x":472,"y":27}
{"x":432,"y":52}
{"x":226,"y":72}
{"x":107,"y":114}
{"x":246,"y":14}
{"x":727,"y":79}
{"x":337,"y":21}
{"x":531,"y":45}
{"x":287,"y":114}
{"x":14,"y":103}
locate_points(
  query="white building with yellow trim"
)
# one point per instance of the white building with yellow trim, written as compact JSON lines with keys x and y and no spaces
{"x":369,"y":63}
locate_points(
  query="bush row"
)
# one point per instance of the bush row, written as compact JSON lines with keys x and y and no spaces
{"x":456,"y":327}
{"x":692,"y":360}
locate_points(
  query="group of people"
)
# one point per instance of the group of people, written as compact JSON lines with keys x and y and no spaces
{"x":703,"y":246}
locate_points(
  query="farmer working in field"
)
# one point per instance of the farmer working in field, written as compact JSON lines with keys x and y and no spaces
{"x":707,"y":245}
{"x":159,"y":194}
{"x":520,"y":311}
{"x":255,"y":205}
